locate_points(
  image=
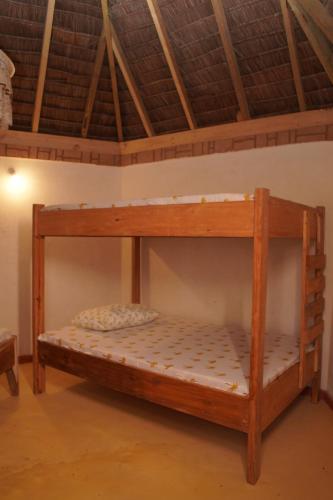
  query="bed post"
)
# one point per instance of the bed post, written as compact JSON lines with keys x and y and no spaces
{"x":259,"y":292}
{"x":136,"y":270}
{"x":37,"y":300}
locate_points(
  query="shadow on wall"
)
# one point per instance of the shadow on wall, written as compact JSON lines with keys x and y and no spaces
{"x":211,"y":279}
{"x":80,"y":273}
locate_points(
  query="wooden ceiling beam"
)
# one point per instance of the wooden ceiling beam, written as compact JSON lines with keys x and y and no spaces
{"x":231,"y":58}
{"x":130,"y":82}
{"x":93,"y":84}
{"x":77,"y":149}
{"x":234,"y":130}
{"x":43,"y":65}
{"x":172,"y":63}
{"x":320,"y":16}
{"x":59,"y":142}
{"x":317,"y":40}
{"x":292,"y":46}
{"x":112,"y":66}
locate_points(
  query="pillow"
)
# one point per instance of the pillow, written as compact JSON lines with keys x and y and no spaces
{"x":114,"y":316}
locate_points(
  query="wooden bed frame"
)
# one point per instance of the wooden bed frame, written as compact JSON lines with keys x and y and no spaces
{"x":263,"y":218}
{"x":8,"y":364}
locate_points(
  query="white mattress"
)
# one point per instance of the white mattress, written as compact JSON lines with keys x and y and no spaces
{"x":198,"y":352}
{"x":170,"y":200}
{"x":5,"y":334}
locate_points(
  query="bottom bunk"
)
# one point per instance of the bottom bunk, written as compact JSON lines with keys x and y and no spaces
{"x":195,"y":367}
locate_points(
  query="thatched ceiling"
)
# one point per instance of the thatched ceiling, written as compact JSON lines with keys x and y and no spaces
{"x":258,"y":38}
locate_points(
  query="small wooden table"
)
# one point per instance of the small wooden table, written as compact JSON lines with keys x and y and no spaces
{"x":8,"y":360}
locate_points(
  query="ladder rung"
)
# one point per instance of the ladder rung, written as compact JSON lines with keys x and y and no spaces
{"x":312,"y":333}
{"x":315,"y":262}
{"x":315,"y":285}
{"x":315,"y":308}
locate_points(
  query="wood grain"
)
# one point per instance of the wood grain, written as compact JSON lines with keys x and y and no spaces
{"x":7,"y":355}
{"x":195,"y":220}
{"x":259,"y":293}
{"x":112,"y":67}
{"x":172,"y":63}
{"x":8,"y":364}
{"x":286,"y":219}
{"x":136,"y":270}
{"x":38,"y":299}
{"x":43,"y":64}
{"x":93,"y":84}
{"x":292,"y":46}
{"x":282,"y":391}
{"x":210,"y":404}
{"x":230,"y":55}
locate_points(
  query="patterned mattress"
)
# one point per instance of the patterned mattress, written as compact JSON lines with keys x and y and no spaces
{"x":170,"y":200}
{"x":194,"y":351}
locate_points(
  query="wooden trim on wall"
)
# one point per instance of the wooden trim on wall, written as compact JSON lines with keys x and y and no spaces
{"x":307,"y":126}
{"x":325,"y":396}
{"x":235,"y":130}
{"x":24,"y":358}
{"x":32,"y":145}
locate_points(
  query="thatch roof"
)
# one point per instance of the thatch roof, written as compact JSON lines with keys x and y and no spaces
{"x":258,"y":38}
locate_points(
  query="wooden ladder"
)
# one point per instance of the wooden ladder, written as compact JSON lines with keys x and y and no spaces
{"x":312,"y":302}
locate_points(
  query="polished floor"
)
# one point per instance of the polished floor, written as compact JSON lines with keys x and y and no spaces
{"x":80,"y":441}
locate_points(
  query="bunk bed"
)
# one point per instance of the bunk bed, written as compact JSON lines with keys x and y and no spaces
{"x":261,"y":397}
{"x":8,"y":359}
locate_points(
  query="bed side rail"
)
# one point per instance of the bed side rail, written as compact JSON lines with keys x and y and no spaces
{"x":313,"y":285}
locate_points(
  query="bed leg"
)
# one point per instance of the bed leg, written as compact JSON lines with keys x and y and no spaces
{"x":315,"y":388}
{"x":39,"y":378}
{"x":12,"y":382}
{"x":253,"y":455}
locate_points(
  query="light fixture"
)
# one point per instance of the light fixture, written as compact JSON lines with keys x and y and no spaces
{"x":15,"y":183}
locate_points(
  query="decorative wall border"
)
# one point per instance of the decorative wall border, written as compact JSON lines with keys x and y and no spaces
{"x":309,"y":126}
{"x":293,"y":136}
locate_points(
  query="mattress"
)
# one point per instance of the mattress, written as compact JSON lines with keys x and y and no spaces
{"x":170,"y":200}
{"x":5,"y":334}
{"x":197,"y":352}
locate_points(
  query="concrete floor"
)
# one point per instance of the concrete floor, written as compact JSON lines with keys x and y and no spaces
{"x":80,"y":441}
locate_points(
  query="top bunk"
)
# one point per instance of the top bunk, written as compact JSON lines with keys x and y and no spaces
{"x":211,"y":215}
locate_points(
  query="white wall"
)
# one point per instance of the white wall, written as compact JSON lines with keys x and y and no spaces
{"x":208,"y":279}
{"x":211,"y":279}
{"x":80,"y":272}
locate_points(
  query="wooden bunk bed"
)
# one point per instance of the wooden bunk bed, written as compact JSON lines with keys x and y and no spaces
{"x":260,"y":217}
{"x":8,"y":360}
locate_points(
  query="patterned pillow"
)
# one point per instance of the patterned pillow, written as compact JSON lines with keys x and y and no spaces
{"x":114,"y":316}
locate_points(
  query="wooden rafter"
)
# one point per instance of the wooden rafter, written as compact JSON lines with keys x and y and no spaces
{"x":43,"y":65}
{"x":130,"y":82}
{"x":112,"y":65}
{"x":93,"y":84}
{"x":287,"y":21}
{"x":320,"y":16}
{"x":318,"y":41}
{"x":171,"y":60}
{"x":231,"y":58}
